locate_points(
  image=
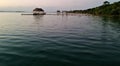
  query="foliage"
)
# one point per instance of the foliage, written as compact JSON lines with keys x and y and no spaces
{"x":105,"y":9}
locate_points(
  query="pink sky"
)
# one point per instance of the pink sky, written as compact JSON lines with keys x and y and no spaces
{"x":60,"y":4}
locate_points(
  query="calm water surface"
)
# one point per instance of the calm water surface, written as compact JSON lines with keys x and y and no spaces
{"x":52,"y":40}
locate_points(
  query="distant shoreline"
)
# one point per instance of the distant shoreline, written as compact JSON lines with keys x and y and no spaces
{"x":105,"y":9}
{"x":12,"y":11}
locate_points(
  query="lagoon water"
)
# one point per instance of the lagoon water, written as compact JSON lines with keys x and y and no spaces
{"x":59,"y":40}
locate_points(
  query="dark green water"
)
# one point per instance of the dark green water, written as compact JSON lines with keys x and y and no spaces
{"x":53,"y":40}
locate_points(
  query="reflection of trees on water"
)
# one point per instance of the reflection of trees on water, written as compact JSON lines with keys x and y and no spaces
{"x":104,"y":30}
{"x":113,"y":21}
{"x":110,"y":29}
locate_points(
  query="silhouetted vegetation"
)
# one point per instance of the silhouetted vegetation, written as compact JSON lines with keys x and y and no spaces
{"x":106,"y":3}
{"x":105,"y":9}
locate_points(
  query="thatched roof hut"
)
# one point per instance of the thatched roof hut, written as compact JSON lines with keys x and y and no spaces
{"x":58,"y":11}
{"x":38,"y":11}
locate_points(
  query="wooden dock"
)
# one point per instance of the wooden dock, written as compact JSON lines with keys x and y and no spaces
{"x":67,"y":14}
{"x":44,"y":14}
{"x":26,"y":14}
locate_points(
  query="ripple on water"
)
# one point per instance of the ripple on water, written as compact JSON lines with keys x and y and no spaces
{"x":59,"y":41}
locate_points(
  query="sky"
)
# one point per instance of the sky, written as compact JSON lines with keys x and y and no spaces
{"x":50,"y":5}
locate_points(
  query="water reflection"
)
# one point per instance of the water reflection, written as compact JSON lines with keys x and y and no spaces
{"x":110,"y":27}
{"x":38,"y":18}
{"x":59,"y":40}
{"x":113,"y":21}
{"x":37,"y":24}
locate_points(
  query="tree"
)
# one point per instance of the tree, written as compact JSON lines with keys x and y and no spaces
{"x":106,"y":3}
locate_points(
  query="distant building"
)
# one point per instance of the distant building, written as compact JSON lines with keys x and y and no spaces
{"x":38,"y":11}
{"x":58,"y":11}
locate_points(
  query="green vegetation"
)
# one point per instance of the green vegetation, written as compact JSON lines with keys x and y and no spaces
{"x":105,"y":9}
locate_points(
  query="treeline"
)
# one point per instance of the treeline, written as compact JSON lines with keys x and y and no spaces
{"x":105,"y":9}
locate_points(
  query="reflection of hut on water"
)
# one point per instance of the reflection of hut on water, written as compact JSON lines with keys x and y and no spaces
{"x":38,"y":11}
